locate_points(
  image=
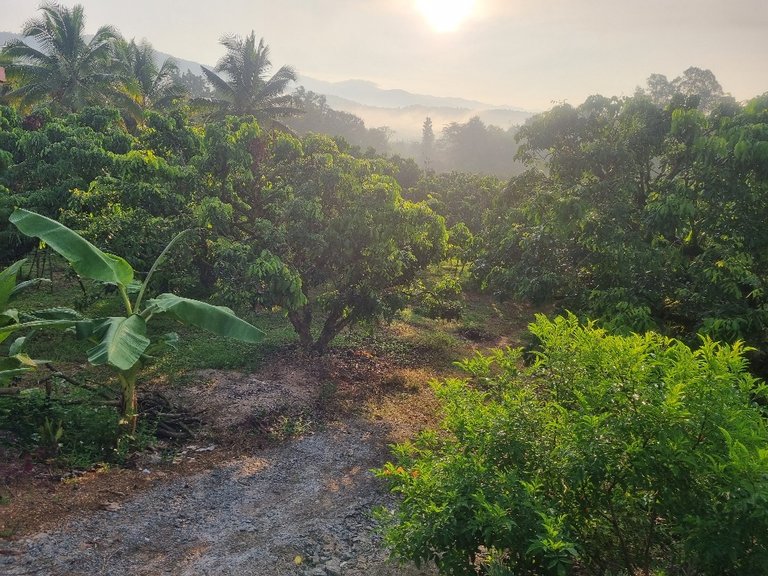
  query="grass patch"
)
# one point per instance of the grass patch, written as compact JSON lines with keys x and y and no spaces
{"x":69,"y":427}
{"x":198,"y":349}
{"x":290,"y":427}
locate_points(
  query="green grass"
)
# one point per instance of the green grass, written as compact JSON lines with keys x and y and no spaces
{"x":70,"y":427}
{"x":411,"y":340}
{"x":198,"y":349}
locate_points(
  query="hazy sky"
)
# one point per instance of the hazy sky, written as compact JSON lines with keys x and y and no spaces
{"x":524,"y":53}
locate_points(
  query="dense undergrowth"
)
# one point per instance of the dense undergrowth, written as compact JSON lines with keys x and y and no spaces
{"x":606,"y":455}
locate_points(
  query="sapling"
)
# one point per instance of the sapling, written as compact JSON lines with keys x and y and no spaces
{"x":122,"y":341}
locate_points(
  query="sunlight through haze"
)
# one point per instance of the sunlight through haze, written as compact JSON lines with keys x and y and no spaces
{"x":445,"y":15}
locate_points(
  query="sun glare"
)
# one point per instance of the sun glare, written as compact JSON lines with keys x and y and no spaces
{"x":445,"y":15}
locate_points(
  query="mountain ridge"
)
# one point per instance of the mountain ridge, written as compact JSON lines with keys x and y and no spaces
{"x":400,"y":110}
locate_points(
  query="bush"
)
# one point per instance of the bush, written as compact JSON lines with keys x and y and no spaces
{"x":608,"y":455}
{"x":74,"y":429}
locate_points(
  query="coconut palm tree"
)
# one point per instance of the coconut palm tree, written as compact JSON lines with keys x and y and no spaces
{"x":150,"y":84}
{"x":65,"y":70}
{"x":246,"y":87}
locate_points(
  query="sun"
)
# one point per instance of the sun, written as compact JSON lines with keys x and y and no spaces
{"x":445,"y":15}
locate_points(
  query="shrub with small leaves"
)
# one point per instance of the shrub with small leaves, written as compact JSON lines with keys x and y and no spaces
{"x":608,"y":455}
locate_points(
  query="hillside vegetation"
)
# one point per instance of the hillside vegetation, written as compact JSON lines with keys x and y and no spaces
{"x":627,"y":436}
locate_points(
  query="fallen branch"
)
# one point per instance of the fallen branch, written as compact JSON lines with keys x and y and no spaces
{"x":170,"y":421}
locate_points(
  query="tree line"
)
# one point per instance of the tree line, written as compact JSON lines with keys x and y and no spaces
{"x":54,"y":64}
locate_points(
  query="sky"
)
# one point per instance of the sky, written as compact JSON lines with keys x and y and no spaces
{"x":527,"y":54}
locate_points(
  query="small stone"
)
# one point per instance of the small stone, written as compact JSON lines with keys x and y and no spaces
{"x":333,"y":568}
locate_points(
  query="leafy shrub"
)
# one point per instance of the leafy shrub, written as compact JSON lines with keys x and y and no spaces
{"x":75,"y":431}
{"x":608,"y":455}
{"x":640,"y":216}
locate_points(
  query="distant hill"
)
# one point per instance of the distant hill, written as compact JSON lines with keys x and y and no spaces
{"x":401,"y":111}
{"x":369,"y":94}
{"x":407,"y":121}
{"x":404,"y":112}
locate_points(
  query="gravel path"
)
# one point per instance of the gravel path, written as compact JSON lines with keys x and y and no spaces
{"x":302,"y":508}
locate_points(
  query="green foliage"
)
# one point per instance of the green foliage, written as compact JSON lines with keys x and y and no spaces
{"x":85,"y":259}
{"x":245,"y":88}
{"x":473,"y":147}
{"x":643,"y":217}
{"x":319,"y":118}
{"x":610,"y":454}
{"x":59,"y":65}
{"x":15,"y":361}
{"x":76,"y":431}
{"x":311,"y":229}
{"x":50,"y":158}
{"x":443,"y":300}
{"x":121,"y":341}
{"x":150,"y":84}
{"x":170,"y":136}
{"x":460,"y":198}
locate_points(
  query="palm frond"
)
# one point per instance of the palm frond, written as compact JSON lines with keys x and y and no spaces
{"x":247,"y":86}
{"x":219,"y":84}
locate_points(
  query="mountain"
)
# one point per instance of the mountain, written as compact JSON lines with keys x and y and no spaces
{"x":401,"y":111}
{"x":406,"y":121}
{"x":369,"y":94}
{"x":404,"y":112}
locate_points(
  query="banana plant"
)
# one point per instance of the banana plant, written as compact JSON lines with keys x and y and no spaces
{"x":15,"y":362}
{"x":123,"y":341}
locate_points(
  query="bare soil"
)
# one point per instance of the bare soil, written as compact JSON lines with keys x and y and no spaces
{"x":277,"y":481}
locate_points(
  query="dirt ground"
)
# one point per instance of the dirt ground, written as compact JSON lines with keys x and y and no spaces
{"x":277,"y":481}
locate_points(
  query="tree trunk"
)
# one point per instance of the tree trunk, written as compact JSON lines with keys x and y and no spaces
{"x":334,"y":324}
{"x":302,"y":322}
{"x":205,"y":272}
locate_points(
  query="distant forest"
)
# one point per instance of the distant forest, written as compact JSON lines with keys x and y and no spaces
{"x":472,"y":146}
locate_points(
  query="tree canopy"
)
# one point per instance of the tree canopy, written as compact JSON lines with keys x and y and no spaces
{"x":246,"y":87}
{"x":66,"y":69}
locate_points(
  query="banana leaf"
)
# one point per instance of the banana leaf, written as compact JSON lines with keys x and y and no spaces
{"x":87,"y":260}
{"x":5,"y":331}
{"x":8,"y":282}
{"x":10,"y":320}
{"x":7,"y":375}
{"x":21,"y":286}
{"x":217,"y":319}
{"x":9,"y":316}
{"x":55,"y":314}
{"x":16,"y":346}
{"x":123,"y":341}
{"x":12,"y":366}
